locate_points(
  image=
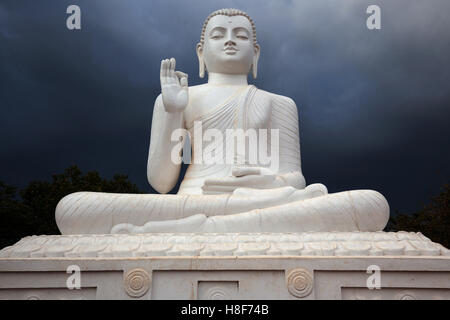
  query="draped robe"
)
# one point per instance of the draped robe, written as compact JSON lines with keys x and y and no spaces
{"x":285,"y":209}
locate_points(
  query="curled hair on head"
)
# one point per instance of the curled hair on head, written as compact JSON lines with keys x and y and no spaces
{"x":229,"y":13}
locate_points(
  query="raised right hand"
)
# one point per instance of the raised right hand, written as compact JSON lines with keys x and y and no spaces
{"x":174,"y":87}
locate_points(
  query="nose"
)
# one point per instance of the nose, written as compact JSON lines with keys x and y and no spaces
{"x":230,"y":41}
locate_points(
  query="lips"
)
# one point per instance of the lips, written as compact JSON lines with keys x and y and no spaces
{"x":230,"y":50}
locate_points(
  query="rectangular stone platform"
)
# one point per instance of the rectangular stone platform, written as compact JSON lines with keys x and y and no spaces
{"x":226,"y":266}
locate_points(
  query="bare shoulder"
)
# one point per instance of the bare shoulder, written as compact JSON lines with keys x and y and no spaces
{"x":198,"y":89}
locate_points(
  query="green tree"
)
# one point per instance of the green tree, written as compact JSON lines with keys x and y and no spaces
{"x":433,"y":220}
{"x":34,"y":212}
{"x":14,"y":221}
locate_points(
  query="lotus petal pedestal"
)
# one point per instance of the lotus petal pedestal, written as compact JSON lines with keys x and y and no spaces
{"x":320,"y":265}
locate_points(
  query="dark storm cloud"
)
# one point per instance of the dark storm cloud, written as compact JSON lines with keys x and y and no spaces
{"x":374,"y":105}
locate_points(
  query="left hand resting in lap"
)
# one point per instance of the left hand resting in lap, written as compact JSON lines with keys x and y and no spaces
{"x":244,"y":177}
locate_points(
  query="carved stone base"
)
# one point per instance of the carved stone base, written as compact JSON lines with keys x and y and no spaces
{"x":226,"y":266}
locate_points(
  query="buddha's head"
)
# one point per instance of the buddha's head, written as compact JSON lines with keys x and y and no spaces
{"x":228,"y":44}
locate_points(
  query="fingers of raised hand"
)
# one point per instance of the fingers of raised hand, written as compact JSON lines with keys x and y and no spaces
{"x":167,"y":73}
{"x":171,"y":71}
{"x":183,"y":77}
{"x":163,"y":72}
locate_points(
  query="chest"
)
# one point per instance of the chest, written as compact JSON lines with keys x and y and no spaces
{"x":252,"y":112}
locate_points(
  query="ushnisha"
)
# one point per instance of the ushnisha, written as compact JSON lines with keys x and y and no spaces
{"x":223,"y":196}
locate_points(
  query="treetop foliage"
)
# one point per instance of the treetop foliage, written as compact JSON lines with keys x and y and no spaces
{"x":31,"y":211}
{"x":433,"y":220}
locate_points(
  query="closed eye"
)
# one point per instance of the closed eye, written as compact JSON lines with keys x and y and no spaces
{"x":241,"y":33}
{"x":217,"y":33}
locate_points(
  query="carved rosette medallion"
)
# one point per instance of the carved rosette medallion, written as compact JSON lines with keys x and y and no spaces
{"x":299,"y":282}
{"x":218,"y":293}
{"x":136,"y":282}
{"x":405,"y":295}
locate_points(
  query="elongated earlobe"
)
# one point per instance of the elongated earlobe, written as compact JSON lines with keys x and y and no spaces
{"x":255,"y":69}
{"x":201,"y":68}
{"x":201,"y":63}
{"x":255,"y":62}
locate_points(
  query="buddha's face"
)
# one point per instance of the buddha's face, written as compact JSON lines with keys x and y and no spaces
{"x":228,"y":45}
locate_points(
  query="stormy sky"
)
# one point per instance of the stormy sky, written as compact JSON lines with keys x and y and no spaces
{"x":374,"y":105}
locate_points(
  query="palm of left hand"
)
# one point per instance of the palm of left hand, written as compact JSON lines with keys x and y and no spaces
{"x":245,"y":177}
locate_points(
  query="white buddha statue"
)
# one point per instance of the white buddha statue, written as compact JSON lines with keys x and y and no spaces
{"x":229,"y":194}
